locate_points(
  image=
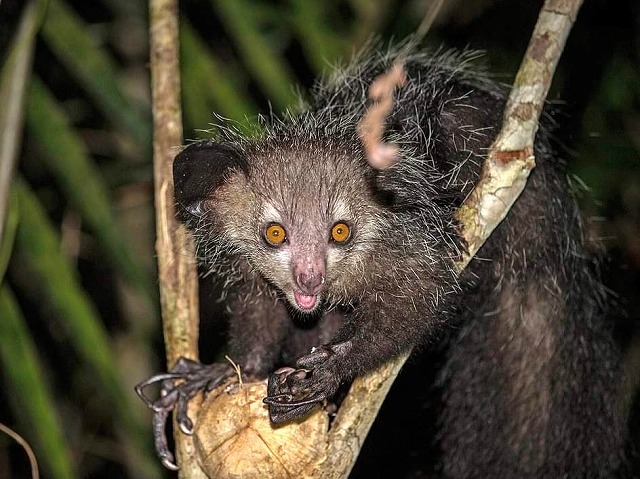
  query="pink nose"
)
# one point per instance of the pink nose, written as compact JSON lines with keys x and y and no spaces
{"x":309,"y":283}
{"x":309,"y":276}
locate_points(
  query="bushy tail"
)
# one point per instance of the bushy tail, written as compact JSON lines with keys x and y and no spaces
{"x":533,"y":378}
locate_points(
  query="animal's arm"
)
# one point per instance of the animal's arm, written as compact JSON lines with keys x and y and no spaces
{"x":258,"y":329}
{"x":259,"y":324}
{"x":384,"y":325}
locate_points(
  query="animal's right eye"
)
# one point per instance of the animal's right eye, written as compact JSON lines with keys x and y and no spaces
{"x":275,"y":234}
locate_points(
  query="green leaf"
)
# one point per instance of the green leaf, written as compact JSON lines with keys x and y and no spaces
{"x":66,"y":156}
{"x":30,"y":391}
{"x":321,"y":44}
{"x":207,"y":85}
{"x":58,"y":284}
{"x":267,"y":66}
{"x":8,"y":234}
{"x":67,"y":35}
{"x":57,"y":280}
{"x":13,"y":80}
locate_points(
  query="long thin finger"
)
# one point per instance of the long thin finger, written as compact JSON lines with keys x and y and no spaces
{"x":185,"y":424}
{"x":160,"y":440}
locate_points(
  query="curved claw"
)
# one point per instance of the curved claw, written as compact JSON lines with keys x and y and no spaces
{"x":140,"y":387}
{"x":278,"y":399}
{"x":195,"y":377}
{"x":170,"y":464}
{"x":186,"y":425}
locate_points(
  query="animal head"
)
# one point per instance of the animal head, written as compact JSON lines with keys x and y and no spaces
{"x":301,"y":214}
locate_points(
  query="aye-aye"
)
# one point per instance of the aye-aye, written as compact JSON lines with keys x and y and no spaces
{"x":329,"y":268}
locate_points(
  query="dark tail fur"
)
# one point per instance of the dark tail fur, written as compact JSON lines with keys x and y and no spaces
{"x":531,"y":380}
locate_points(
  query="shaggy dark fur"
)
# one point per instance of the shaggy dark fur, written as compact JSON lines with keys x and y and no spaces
{"x":531,"y":376}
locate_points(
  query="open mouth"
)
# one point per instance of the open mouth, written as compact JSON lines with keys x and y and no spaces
{"x":305,"y":302}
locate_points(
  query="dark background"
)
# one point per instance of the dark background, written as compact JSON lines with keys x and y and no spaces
{"x":230,"y":51}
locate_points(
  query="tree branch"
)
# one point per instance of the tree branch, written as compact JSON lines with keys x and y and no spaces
{"x":176,"y":263}
{"x":511,"y":158}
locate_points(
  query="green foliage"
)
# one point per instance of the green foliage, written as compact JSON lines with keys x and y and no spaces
{"x":269,"y":69}
{"x":65,"y":156}
{"x":81,"y":121}
{"x":207,"y":84}
{"x":31,"y":395}
{"x":76,"y":258}
{"x":48,"y":275}
{"x":94,"y":70}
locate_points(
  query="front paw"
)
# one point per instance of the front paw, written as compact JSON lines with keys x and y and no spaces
{"x":178,"y":386}
{"x":292,"y":393}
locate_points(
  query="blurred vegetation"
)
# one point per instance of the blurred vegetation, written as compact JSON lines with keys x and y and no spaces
{"x":79,"y":320}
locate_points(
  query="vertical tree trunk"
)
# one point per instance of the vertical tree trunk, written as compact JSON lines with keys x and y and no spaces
{"x":176,"y":263}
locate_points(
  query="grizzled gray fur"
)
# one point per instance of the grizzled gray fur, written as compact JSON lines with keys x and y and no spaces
{"x":299,"y":228}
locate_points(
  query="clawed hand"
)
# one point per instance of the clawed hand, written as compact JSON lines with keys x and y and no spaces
{"x":177,"y":387}
{"x":293,"y":392}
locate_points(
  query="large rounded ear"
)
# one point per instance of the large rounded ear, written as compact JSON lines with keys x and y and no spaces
{"x":199,"y":170}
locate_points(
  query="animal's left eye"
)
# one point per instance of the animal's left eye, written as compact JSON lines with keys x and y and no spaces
{"x":340,"y":232}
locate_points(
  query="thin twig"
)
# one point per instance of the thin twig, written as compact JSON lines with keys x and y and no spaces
{"x":33,"y":461}
{"x":510,"y":158}
{"x":236,"y":367}
{"x":429,"y":18}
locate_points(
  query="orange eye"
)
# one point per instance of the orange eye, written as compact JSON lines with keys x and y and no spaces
{"x":340,"y":232}
{"x":275,"y":234}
